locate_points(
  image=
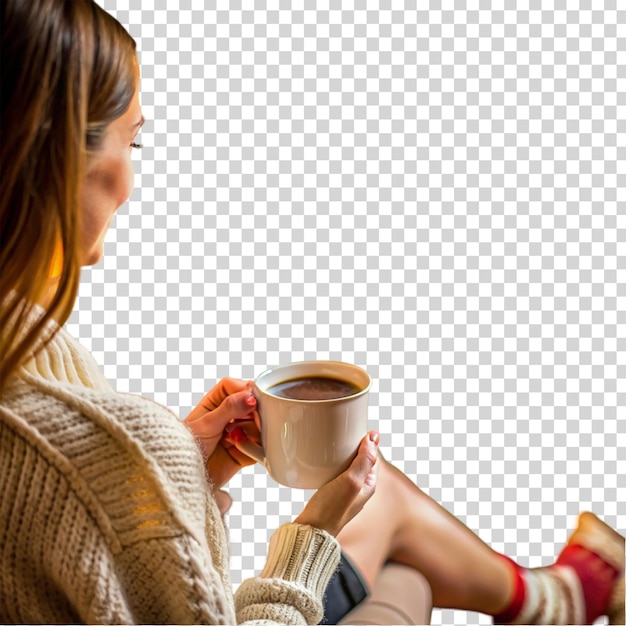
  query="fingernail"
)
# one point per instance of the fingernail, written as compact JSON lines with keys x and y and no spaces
{"x":250,"y":400}
{"x":238,"y":434}
{"x":375,"y":437}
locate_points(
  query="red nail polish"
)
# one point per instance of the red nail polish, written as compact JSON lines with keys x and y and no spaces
{"x":251,"y":400}
{"x":238,"y":434}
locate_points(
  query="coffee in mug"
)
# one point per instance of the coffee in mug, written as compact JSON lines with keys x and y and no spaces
{"x":313,"y":417}
{"x":314,"y":388}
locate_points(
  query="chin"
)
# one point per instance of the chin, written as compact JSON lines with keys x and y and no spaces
{"x":93,"y":256}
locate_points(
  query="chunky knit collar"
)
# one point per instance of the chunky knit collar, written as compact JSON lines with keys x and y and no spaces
{"x":66,"y":361}
{"x":63,"y":360}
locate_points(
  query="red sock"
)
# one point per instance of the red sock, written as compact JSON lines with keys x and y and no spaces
{"x":589,"y":596}
{"x":596,"y":578}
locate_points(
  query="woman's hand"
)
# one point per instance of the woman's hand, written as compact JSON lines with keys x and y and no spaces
{"x":337,"y":502}
{"x":225,"y":414}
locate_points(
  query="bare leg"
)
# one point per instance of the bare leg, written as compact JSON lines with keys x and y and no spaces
{"x":401,"y":523}
{"x":402,"y":595}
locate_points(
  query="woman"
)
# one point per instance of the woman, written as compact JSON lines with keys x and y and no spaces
{"x":106,"y":514}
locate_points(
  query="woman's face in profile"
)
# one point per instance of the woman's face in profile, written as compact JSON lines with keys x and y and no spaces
{"x":109,"y":180}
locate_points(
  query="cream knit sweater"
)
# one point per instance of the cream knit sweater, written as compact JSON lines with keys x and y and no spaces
{"x":106,"y":515}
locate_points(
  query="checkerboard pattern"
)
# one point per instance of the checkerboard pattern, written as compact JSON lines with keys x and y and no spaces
{"x":434,"y":191}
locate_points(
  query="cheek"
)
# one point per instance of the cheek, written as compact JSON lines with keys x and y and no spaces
{"x":113,"y":182}
{"x":107,"y":187}
{"x":129,"y":177}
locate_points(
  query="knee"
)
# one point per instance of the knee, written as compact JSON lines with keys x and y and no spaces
{"x":401,"y":595}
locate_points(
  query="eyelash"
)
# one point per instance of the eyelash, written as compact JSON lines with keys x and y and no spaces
{"x":136,"y":145}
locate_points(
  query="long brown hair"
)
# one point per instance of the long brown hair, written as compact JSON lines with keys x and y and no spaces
{"x":68,"y":70}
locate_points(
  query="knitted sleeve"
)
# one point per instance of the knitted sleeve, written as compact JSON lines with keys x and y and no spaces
{"x":106,"y":534}
{"x":90,"y":534}
{"x":290,"y":589}
{"x":106,"y":515}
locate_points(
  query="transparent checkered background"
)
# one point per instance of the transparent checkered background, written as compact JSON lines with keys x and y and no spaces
{"x":435,"y":193}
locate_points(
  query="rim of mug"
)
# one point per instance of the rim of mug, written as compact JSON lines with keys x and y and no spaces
{"x":270,"y":370}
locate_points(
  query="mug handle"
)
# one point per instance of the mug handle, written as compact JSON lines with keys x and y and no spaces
{"x":253,"y":450}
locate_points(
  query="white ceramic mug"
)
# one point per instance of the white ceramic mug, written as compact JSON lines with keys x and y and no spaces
{"x":306,"y":443}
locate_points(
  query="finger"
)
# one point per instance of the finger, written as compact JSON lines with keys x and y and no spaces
{"x":234,"y":407}
{"x":243,"y":429}
{"x":362,"y":468}
{"x":224,"y":501}
{"x":221,"y":466}
{"x":224,"y":388}
{"x":217,"y":395}
{"x":256,"y":431}
{"x":241,"y":458}
{"x":224,"y":463}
